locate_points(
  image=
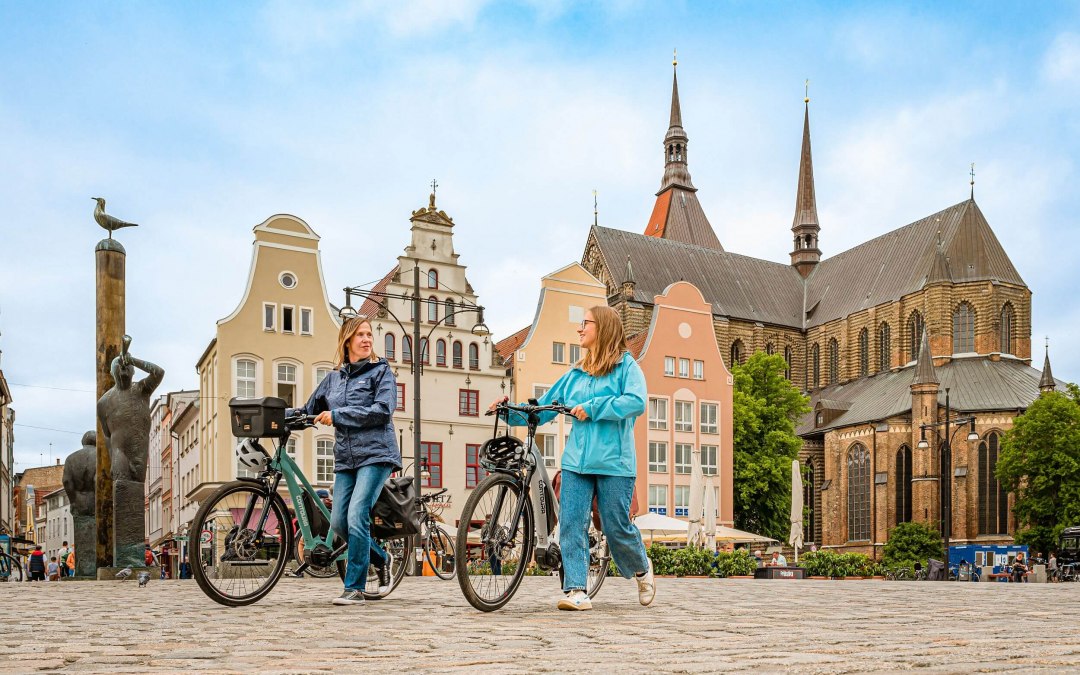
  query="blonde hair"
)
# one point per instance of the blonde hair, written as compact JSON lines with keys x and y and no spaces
{"x":348,"y":330}
{"x":610,"y":343}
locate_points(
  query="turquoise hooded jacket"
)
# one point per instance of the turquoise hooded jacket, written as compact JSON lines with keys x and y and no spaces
{"x":604,"y":443}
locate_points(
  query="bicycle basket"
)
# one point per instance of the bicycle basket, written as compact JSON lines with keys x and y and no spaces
{"x":502,"y":452}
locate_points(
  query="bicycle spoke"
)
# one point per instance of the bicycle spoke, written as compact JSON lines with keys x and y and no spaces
{"x":491,"y":556}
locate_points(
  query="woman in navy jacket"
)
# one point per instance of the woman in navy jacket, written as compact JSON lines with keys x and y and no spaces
{"x":358,"y":398}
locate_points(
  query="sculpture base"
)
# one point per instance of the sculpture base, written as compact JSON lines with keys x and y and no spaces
{"x":129,"y":528}
{"x":109,"y":573}
{"x":85,"y":546}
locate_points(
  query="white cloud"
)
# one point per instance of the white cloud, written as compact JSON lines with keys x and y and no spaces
{"x":1061,"y":63}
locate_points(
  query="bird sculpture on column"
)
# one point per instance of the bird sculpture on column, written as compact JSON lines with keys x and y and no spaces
{"x":105,"y":220}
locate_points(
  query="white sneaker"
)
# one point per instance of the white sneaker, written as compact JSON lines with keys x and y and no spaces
{"x":575,"y":601}
{"x":646,"y":587}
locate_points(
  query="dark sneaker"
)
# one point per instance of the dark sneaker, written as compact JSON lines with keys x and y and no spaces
{"x":384,"y":573}
{"x":350,"y":598}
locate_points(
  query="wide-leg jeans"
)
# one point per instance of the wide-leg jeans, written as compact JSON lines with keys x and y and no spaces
{"x":355,"y":492}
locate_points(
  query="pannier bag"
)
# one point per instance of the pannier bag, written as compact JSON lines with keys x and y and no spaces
{"x":318,"y":523}
{"x":394,"y":514}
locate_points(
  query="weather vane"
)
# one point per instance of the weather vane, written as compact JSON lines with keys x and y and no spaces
{"x":434,"y":185}
{"x":973,"y":180}
{"x":595,"y":210}
{"x":675,"y":57}
{"x":806,"y":95}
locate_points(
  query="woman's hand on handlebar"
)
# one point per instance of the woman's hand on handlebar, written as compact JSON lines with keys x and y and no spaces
{"x":579,"y":413}
{"x":496,"y":403}
{"x":324,"y":418}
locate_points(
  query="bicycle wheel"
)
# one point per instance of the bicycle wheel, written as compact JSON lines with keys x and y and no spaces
{"x":300,"y":554}
{"x":599,"y":560}
{"x":396,"y":548}
{"x":440,"y":552}
{"x":492,"y":561}
{"x":10,"y":568}
{"x":239,"y":565}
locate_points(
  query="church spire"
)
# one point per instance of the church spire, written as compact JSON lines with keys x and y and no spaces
{"x":1047,"y":383}
{"x":805,"y":226}
{"x":676,"y":172}
{"x":924,"y":366}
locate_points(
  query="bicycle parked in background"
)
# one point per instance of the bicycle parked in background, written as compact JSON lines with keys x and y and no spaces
{"x":10,"y":568}
{"x":437,"y":544}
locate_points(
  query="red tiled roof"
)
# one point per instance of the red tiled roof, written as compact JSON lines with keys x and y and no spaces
{"x":507,"y":346}
{"x":370,"y":306}
{"x":636,"y":342}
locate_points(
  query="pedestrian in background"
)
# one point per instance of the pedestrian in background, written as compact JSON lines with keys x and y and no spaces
{"x":1019,"y":568}
{"x":37,"y":564}
{"x":71,"y":561}
{"x":61,"y":559}
{"x":1052,"y":568}
{"x":54,"y":569}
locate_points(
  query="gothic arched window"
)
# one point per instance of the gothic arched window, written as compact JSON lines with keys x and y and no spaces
{"x":993,"y":500}
{"x":864,"y":352}
{"x":787,"y":359}
{"x":858,"y":506}
{"x":963,"y":329}
{"x":914,"y":334}
{"x":815,"y":359}
{"x":1007,"y":329}
{"x":834,"y":361}
{"x":903,"y":485}
{"x":884,"y":347}
{"x":737,"y":353}
{"x":770,"y":348}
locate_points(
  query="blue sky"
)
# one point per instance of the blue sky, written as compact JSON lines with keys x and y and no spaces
{"x":200,"y":120}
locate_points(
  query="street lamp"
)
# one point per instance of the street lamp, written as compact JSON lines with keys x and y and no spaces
{"x":946,"y":465}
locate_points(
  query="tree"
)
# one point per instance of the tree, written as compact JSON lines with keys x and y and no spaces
{"x":1040,"y":464}
{"x":911,"y":543}
{"x":765,"y":411}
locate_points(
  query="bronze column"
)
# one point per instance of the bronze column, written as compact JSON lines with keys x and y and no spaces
{"x":111,"y":259}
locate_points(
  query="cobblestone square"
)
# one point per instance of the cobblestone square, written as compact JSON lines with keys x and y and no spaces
{"x":697,"y":625}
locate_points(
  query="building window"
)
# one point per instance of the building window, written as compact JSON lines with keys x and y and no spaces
{"x":737,"y":353}
{"x":432,"y":310}
{"x":657,"y":457}
{"x":884,"y":347}
{"x":320,"y":374}
{"x":709,"y":424}
{"x":658,"y":413}
{"x":440,"y":353}
{"x":864,"y":352}
{"x":699,"y":370}
{"x":425,"y":353}
{"x":815,"y":360}
{"x":245,"y":378}
{"x":539,"y":390}
{"x":456,"y":352}
{"x":915,"y":330}
{"x":546,"y":443}
{"x":558,"y":352}
{"x":469,"y":402}
{"x":411,"y":299}
{"x":903,"y":485}
{"x":451,"y":320}
{"x":658,"y":499}
{"x":787,"y":363}
{"x":305,"y":321}
{"x":286,"y":383}
{"x":400,"y":403}
{"x":287,"y":320}
{"x":708,"y":459}
{"x":269,"y":316}
{"x":1007,"y":329}
{"x":290,"y":448}
{"x":669,"y":366}
{"x":389,"y":344}
{"x":474,"y":473}
{"x":684,"y":458}
{"x":993,"y":499}
{"x":682,"y":501}
{"x":809,"y":511}
{"x":770,"y":348}
{"x":963,"y":329}
{"x":433,"y":278}
{"x":431,"y":453}
{"x":324,"y":460}
{"x":474,"y":356}
{"x":858,"y":506}
{"x":287,"y":280}
{"x":406,"y":349}
{"x":684,"y":367}
{"x":684,"y":416}
{"x":575,"y":353}
{"x":834,"y":361}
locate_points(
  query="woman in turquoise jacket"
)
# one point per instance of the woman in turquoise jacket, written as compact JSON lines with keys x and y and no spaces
{"x":607,"y":392}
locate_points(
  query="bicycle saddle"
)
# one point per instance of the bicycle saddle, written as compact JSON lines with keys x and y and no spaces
{"x":501,"y":452}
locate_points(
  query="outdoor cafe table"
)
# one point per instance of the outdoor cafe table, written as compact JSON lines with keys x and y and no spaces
{"x":780,"y":573}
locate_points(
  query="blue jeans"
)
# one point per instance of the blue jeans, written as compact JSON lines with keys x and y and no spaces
{"x":575,"y":508}
{"x":355,"y":492}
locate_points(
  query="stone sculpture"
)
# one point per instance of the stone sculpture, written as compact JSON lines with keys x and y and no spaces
{"x":124,"y":415}
{"x":80,"y":471}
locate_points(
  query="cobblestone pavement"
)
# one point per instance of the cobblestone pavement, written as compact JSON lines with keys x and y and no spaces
{"x":697,"y":625}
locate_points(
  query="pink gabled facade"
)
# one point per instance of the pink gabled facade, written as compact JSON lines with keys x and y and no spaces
{"x":686,"y":378}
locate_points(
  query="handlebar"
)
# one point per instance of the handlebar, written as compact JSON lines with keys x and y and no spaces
{"x":430,"y":496}
{"x":529,"y":408}
{"x":300,"y":422}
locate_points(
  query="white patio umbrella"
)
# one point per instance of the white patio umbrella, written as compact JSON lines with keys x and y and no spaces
{"x":697,"y":479}
{"x":654,"y":522}
{"x":710,"y":514}
{"x":795,"y":537}
{"x":730,"y":534}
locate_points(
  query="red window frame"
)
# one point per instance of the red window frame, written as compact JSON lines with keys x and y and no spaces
{"x":469,"y":402}
{"x":432,"y":453}
{"x":400,"y":396}
{"x":474,"y":473}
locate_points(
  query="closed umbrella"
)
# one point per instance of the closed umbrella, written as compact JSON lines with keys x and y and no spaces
{"x":795,"y":537}
{"x":697,"y":485}
{"x":710,"y":514}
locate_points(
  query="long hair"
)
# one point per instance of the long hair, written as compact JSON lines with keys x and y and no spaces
{"x":348,"y":329}
{"x":610,"y":343}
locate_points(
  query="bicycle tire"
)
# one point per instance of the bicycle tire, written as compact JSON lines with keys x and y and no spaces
{"x":491,"y":537}
{"x":439,"y":549}
{"x":396,"y":547}
{"x":316,"y":572}
{"x":13,"y":567}
{"x":599,"y":560}
{"x":225,"y":501}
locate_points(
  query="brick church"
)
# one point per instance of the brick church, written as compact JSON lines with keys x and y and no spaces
{"x":877,"y":336}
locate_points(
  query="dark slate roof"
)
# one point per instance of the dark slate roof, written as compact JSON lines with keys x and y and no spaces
{"x":737,"y":286}
{"x":805,"y":199}
{"x":977,"y":384}
{"x":678,"y":216}
{"x":902,"y":261}
{"x":924,"y":365}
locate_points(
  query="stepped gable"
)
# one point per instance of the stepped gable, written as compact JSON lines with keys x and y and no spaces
{"x":903,"y":261}
{"x":737,"y":286}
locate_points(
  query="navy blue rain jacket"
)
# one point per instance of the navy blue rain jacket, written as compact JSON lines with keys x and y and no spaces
{"x":361,"y":397}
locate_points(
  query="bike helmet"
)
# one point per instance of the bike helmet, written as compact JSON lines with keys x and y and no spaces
{"x":501,"y":452}
{"x":252,"y":455}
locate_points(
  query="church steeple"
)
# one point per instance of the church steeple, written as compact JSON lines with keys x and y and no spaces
{"x":1047,"y":383}
{"x":676,"y":172}
{"x":805,"y":226}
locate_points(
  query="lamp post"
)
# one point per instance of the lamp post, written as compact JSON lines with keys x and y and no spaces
{"x":382,"y":298}
{"x":945,"y":469}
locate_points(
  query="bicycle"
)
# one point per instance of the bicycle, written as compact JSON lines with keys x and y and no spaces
{"x":1069,"y":572}
{"x":499,"y":520}
{"x":11,"y":570}
{"x":244,"y":528}
{"x":436,"y":542}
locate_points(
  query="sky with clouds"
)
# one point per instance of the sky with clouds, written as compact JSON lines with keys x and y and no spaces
{"x":200,"y":120}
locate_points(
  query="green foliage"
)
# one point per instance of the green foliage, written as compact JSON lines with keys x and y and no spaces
{"x":735,"y":563}
{"x":911,"y":543}
{"x":766,"y":408}
{"x":663,"y":559}
{"x":839,"y":565}
{"x":1040,"y":463}
{"x":693,"y":562}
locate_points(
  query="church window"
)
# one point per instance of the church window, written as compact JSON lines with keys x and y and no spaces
{"x":864,"y":352}
{"x":834,"y":361}
{"x":769,"y":348}
{"x":903,"y":485}
{"x":963,"y":321}
{"x":858,"y":507}
{"x":993,"y":500}
{"x":815,"y":359}
{"x":737,"y":352}
{"x":787,"y":359}
{"x":1007,"y":329}
{"x":915,"y":329}
{"x":884,"y":346}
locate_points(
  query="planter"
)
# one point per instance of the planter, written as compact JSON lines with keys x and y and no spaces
{"x":820,"y":578}
{"x":739,"y":576}
{"x":695,"y":576}
{"x":878,"y":578}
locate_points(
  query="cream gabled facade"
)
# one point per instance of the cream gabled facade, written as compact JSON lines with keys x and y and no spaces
{"x":279,"y":341}
{"x":462,"y":373}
